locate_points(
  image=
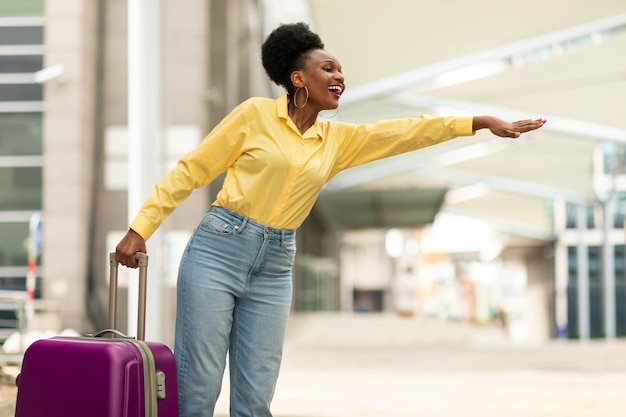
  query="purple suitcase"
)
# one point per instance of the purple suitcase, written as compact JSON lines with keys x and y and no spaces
{"x":96,"y":376}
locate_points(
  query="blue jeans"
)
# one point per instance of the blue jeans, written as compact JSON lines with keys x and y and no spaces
{"x":234,"y":295}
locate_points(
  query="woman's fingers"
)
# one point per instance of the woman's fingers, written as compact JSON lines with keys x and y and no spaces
{"x":528,"y":125}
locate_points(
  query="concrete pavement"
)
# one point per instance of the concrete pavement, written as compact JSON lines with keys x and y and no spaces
{"x":378,"y":365}
{"x":360,"y":366}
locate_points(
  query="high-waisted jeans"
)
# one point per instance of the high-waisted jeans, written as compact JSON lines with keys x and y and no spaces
{"x":234,"y":296}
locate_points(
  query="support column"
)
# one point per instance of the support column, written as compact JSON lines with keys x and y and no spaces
{"x":145,"y":165}
{"x":68,"y":141}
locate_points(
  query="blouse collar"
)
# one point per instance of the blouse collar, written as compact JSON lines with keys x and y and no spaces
{"x":314,"y":132}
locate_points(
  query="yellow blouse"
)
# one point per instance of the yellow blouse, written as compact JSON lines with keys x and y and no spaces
{"x":274,"y":173}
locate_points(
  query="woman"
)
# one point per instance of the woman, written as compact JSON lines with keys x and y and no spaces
{"x":234,"y":283}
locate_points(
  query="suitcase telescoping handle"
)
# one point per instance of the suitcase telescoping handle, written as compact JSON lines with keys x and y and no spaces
{"x":142,"y":259}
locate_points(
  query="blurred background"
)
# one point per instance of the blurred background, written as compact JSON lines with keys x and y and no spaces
{"x":99,"y":98}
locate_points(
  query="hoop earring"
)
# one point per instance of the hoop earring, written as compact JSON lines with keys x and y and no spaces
{"x":331,"y":116}
{"x":295,"y":97}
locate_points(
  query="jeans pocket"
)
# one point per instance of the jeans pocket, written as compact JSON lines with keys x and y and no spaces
{"x":288,"y":246}
{"x":214,"y":224}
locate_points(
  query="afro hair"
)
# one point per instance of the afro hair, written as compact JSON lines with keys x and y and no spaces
{"x":285,"y":50}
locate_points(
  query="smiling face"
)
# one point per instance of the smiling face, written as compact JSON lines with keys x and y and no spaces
{"x":323,"y":78}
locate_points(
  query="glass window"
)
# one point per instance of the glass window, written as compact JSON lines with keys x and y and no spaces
{"x":21,"y":35}
{"x":619,"y":220}
{"x":620,"y":264}
{"x":20,"y":188}
{"x":13,"y":240}
{"x":595,"y":264}
{"x":20,"y":63}
{"x":21,"y":92}
{"x":572,"y":216}
{"x":613,"y":158}
{"x":620,"y":290}
{"x":21,"y":8}
{"x":572,"y":265}
{"x":15,"y":283}
{"x":572,"y":293}
{"x":20,"y":134}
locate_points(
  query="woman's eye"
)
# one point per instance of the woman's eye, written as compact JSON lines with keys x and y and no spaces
{"x":328,"y":69}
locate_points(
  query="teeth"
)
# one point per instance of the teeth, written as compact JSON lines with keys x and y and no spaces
{"x":336,"y":88}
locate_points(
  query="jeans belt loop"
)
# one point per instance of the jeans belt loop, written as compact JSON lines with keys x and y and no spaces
{"x":242,"y":225}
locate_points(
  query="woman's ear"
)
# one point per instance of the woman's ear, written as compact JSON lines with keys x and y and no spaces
{"x":296,"y":79}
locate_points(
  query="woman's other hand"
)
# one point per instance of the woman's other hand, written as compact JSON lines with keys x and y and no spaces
{"x":130,"y":244}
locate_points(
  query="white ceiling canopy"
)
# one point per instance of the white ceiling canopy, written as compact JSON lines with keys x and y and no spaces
{"x":493,"y":61}
{"x":562,"y":60}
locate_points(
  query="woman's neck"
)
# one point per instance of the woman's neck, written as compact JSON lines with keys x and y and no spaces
{"x":302,"y":118}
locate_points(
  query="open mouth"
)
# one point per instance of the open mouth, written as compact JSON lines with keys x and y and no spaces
{"x":336,"y":89}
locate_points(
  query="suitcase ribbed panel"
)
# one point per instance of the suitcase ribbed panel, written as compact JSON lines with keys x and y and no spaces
{"x":64,"y":377}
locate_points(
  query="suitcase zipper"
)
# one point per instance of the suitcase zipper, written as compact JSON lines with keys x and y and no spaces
{"x":149,"y":379}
